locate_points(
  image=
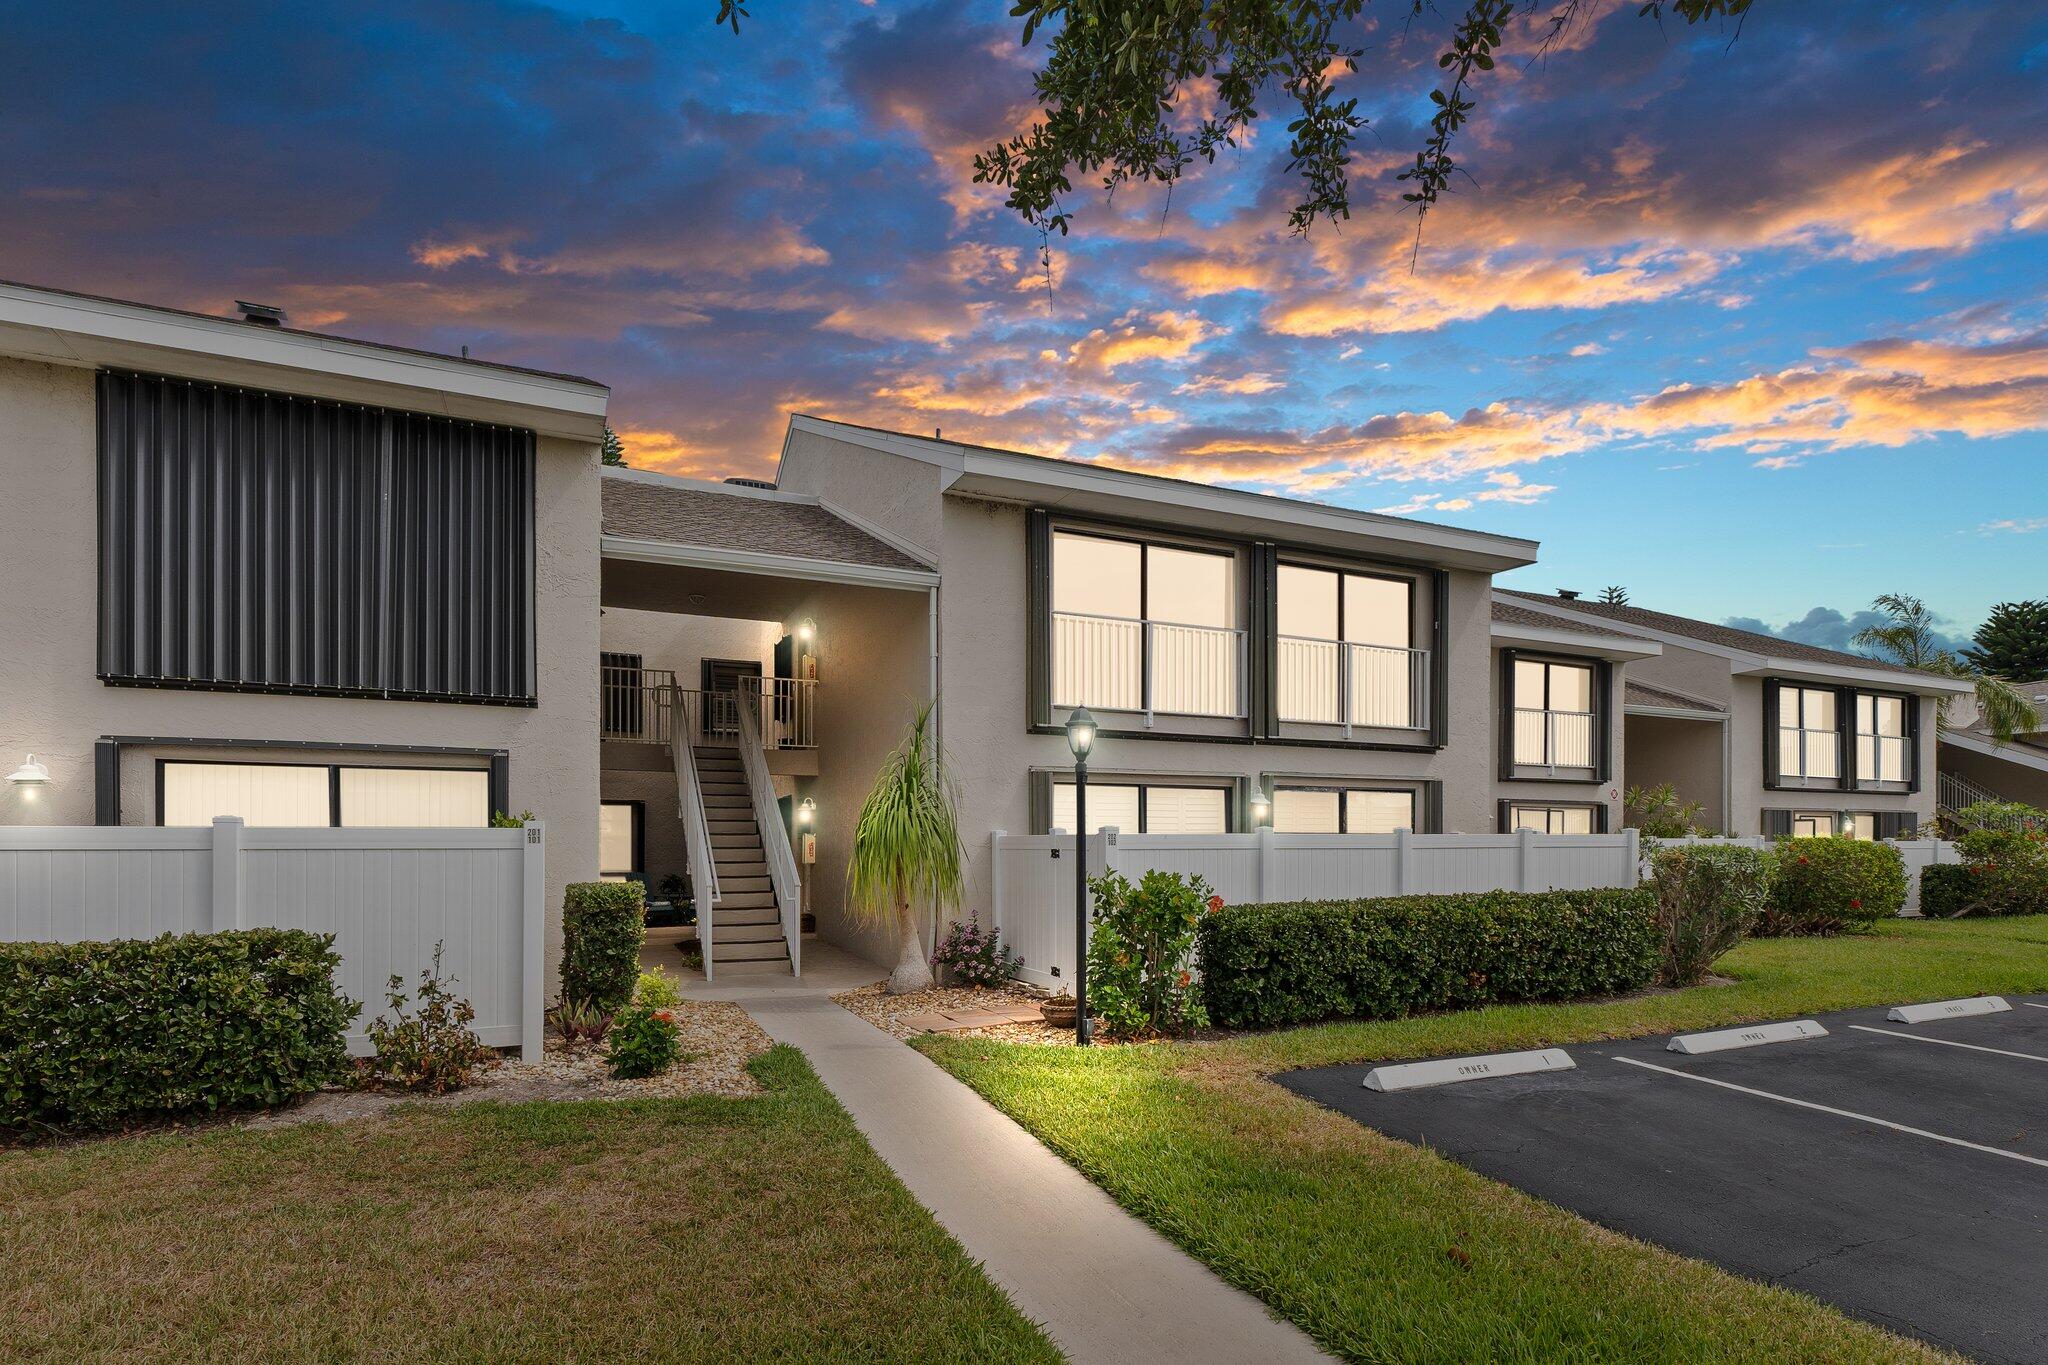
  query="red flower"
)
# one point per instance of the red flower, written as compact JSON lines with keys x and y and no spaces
{"x":1185,"y":978}
{"x":1855,"y":904}
{"x":1215,"y":904}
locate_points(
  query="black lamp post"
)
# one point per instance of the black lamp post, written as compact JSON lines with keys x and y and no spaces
{"x":1081,"y":738}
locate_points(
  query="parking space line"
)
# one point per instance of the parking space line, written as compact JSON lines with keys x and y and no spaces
{"x":1839,"y":1113}
{"x":1949,"y":1042}
{"x":2034,"y":1005}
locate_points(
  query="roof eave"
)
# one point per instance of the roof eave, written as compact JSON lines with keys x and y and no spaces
{"x":1603,"y":646}
{"x":61,"y":329}
{"x":644,"y":551}
{"x":1897,"y":680}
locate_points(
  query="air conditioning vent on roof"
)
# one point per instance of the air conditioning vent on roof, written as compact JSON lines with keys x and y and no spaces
{"x":1568,"y":594}
{"x":752,"y":483}
{"x":262,"y":314}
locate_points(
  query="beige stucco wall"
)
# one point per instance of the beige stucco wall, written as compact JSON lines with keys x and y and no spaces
{"x":1684,"y":753}
{"x":52,"y":703}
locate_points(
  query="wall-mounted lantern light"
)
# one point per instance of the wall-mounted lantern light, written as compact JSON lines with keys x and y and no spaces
{"x":1262,"y":806}
{"x":30,"y":774}
{"x":806,"y":812}
{"x":807,"y":630}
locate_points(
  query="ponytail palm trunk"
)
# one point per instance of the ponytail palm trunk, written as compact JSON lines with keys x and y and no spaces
{"x":906,"y":849}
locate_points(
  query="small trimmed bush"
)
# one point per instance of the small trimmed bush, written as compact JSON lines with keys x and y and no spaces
{"x":1141,"y":947}
{"x":1823,"y":886}
{"x":2003,"y":872}
{"x":1707,"y":897}
{"x":1267,"y":965}
{"x":603,"y":927}
{"x":97,"y":1035}
{"x":1945,"y":890}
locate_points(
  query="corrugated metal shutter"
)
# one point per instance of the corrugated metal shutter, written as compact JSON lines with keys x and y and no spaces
{"x":269,"y":542}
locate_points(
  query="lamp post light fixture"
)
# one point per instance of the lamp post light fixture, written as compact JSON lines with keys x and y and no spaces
{"x":1081,"y":738}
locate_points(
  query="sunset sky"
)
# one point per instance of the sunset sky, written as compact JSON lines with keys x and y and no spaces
{"x":1756,"y":328}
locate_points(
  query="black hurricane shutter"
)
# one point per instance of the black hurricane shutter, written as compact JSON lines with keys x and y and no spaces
{"x":254,"y":541}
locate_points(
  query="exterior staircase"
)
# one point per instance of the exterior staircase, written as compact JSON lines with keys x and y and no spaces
{"x":745,"y":924}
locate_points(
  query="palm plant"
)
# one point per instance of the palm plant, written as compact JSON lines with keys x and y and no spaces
{"x":906,"y":848}
{"x":1907,"y":639}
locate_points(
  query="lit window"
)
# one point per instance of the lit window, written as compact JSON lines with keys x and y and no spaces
{"x":1551,"y":819}
{"x":1882,"y":748}
{"x":618,"y":840}
{"x":1342,"y":810}
{"x":1553,"y":714}
{"x":1147,"y":808}
{"x":416,"y":797}
{"x":1144,"y":627}
{"x":1346,"y":650}
{"x":1810,"y":824}
{"x":1809,"y":745}
{"x":271,"y":794}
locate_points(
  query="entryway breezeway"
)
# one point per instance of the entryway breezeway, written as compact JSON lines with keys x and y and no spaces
{"x":1896,"y":1170}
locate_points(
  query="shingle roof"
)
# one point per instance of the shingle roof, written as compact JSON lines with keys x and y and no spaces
{"x":681,"y":515}
{"x":1510,"y":614}
{"x":1728,"y":637}
{"x":1642,"y":694}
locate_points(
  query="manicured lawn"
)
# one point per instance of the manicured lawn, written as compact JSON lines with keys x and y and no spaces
{"x":698,"y":1229}
{"x":1384,"y":1251}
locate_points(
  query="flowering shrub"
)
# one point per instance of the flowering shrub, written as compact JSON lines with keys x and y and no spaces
{"x":432,"y":1048}
{"x":2003,"y":872}
{"x":1822,"y":886}
{"x":644,"y":1039}
{"x":1141,"y":949}
{"x":976,"y":956}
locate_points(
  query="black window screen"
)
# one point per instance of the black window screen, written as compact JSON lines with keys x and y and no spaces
{"x":267,"y":542}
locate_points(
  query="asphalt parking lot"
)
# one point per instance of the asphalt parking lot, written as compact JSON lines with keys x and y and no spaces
{"x":1901,"y":1179}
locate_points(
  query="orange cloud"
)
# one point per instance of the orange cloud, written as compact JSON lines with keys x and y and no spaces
{"x":1135,"y":337}
{"x":667,"y":452}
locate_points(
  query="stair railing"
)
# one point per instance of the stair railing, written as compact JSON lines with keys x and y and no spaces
{"x":690,"y":808}
{"x":775,"y":849}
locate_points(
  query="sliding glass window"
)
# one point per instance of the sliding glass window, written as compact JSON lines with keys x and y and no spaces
{"x":1809,"y":737}
{"x":1883,"y":749}
{"x":1346,"y":650}
{"x":1145,"y":808}
{"x":1554,"y":715}
{"x":1141,"y":626}
{"x":1551,"y":819}
{"x":1342,"y":810}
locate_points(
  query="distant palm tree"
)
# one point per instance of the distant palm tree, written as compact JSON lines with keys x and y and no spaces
{"x":906,"y":847}
{"x":1614,"y":595}
{"x":1907,"y":639}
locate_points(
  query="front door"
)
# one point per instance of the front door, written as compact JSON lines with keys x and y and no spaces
{"x":722,"y":695}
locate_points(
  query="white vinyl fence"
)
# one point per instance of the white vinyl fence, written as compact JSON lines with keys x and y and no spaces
{"x":387,"y":895}
{"x":1032,"y":875}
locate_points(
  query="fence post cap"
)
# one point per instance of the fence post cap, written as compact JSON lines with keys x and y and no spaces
{"x":227,"y":819}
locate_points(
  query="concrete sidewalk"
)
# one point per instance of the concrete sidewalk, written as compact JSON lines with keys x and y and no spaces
{"x":1104,"y":1286}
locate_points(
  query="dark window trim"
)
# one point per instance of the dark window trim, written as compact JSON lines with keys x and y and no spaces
{"x":1233,"y":787}
{"x":1601,"y":692}
{"x":1418,"y":808}
{"x":1258,"y":605}
{"x":1845,"y":695}
{"x":1504,"y":818}
{"x":639,"y":868}
{"x":333,"y":768}
{"x":107,"y":763}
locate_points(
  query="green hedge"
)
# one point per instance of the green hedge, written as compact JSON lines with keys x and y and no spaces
{"x":95,"y":1035}
{"x":603,"y":926}
{"x":1266,"y":965}
{"x":1944,"y":890}
{"x":1822,"y":886}
{"x":2003,"y":872}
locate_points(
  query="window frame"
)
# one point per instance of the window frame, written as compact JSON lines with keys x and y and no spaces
{"x":1847,"y":698}
{"x":1342,"y":571}
{"x":1505,"y":814}
{"x":639,"y":840}
{"x":1601,"y":698}
{"x":334,"y":769}
{"x":1256,"y":614}
{"x":1146,"y":542}
{"x":1045,"y":779}
{"x":1417,"y":813}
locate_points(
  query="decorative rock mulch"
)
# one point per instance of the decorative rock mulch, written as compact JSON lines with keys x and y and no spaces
{"x":719,"y":1039}
{"x":1008,"y":1013}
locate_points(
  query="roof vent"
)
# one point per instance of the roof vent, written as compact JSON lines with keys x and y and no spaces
{"x":1568,"y":594}
{"x":262,"y":314}
{"x":738,"y":482}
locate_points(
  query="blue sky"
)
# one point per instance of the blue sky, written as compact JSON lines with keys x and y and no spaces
{"x":1753,"y":328}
